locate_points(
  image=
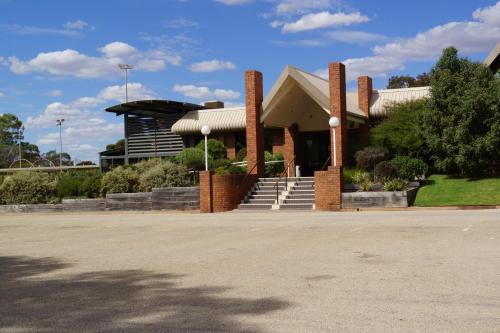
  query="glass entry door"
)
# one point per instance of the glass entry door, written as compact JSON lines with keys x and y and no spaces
{"x":314,"y":149}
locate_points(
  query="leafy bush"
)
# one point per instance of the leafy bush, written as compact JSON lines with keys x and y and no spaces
{"x":218,"y":163}
{"x":230,"y":170}
{"x":409,"y":168}
{"x":91,"y":186}
{"x":192,"y":158}
{"x":163,"y":174}
{"x":360,"y":176}
{"x":241,"y":155}
{"x":216,"y":149}
{"x":395,"y":184}
{"x":400,"y":133}
{"x":27,"y":188}
{"x":69,"y":186}
{"x":348,"y":174}
{"x":369,"y":157}
{"x":366,"y":185}
{"x":120,"y":180}
{"x":145,"y":165}
{"x":384,"y":170}
{"x":272,"y":169}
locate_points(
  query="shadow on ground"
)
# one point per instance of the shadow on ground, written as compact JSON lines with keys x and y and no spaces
{"x":115,"y":301}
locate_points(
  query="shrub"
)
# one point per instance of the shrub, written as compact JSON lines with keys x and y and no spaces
{"x":219,"y":163}
{"x":120,"y":180}
{"x":27,"y":188}
{"x":272,"y":169}
{"x":145,"y":165}
{"x":91,"y":186}
{"x":395,"y":184}
{"x":192,"y":158}
{"x":409,"y":168}
{"x":360,"y":176}
{"x":366,"y":185}
{"x":384,"y":170}
{"x":348,"y":174}
{"x":69,"y":185}
{"x":230,"y":170}
{"x":216,"y":149}
{"x":369,"y":157}
{"x":241,"y":155}
{"x":163,"y":174}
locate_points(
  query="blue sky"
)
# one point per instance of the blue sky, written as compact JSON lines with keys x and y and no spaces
{"x":59,"y":58}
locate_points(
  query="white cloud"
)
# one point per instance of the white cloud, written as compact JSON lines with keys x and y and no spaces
{"x":136,"y":91}
{"x":77,"y":25}
{"x":2,"y":94}
{"x":204,"y":93}
{"x":55,"y":93}
{"x":324,"y":20}
{"x":27,"y":30}
{"x":181,"y":23}
{"x":469,"y":37}
{"x":234,"y":2}
{"x":300,"y":6}
{"x":211,"y":66}
{"x":72,"y":63}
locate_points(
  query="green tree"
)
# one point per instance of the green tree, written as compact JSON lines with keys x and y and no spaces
{"x":119,"y":144}
{"x":9,"y":128}
{"x":53,"y":156}
{"x":216,"y":149}
{"x":408,"y":81}
{"x":462,"y":125}
{"x":400,"y":133}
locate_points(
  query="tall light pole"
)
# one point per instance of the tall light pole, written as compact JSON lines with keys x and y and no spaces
{"x":59,"y":123}
{"x":334,"y":122}
{"x":20,"y":137}
{"x":126,"y":68}
{"x":205,"y":130}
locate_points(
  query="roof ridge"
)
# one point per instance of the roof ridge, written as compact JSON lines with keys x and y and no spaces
{"x":402,"y":89}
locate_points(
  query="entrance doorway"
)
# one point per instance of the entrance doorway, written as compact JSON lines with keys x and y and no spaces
{"x":313,"y":151}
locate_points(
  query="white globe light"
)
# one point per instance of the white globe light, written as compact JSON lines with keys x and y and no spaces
{"x":334,"y":122}
{"x":205,"y":130}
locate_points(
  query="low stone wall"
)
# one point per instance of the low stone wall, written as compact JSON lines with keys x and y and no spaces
{"x":84,"y":204}
{"x":181,"y":198}
{"x":39,"y":208}
{"x":129,"y":201}
{"x":396,"y":199}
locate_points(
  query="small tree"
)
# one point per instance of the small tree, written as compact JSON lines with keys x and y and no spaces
{"x":462,"y":125}
{"x":216,"y":149}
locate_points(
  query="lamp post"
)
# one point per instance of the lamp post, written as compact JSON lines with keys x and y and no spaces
{"x":205,"y":130}
{"x":126,"y":68}
{"x":334,"y":122}
{"x":59,"y":123}
{"x":20,"y":134}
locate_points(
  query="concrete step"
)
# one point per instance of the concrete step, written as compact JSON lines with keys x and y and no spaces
{"x":266,"y":192}
{"x":298,"y":201}
{"x":289,"y":178}
{"x":254,"y":206}
{"x":296,"y":206}
{"x":268,"y":187}
{"x":262,"y":196}
{"x":302,"y":196}
{"x":295,"y":192}
{"x":261,"y":201}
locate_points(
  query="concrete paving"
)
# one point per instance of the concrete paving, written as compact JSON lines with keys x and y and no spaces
{"x":407,"y":271}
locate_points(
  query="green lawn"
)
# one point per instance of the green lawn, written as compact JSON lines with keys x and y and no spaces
{"x":442,"y":190}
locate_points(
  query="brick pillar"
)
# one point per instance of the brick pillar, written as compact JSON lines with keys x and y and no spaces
{"x":206,"y":192}
{"x":289,"y":140}
{"x":338,"y":109}
{"x":254,"y":128}
{"x":230,"y":143}
{"x":365,"y":88}
{"x":328,"y":189}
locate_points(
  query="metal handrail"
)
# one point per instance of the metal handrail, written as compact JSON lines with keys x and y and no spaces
{"x":286,"y":172}
{"x":326,"y":162}
{"x":248,"y":174}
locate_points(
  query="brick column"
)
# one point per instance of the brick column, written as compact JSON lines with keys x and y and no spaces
{"x":254,"y":128}
{"x":338,"y":108}
{"x":206,"y":192}
{"x":328,"y":189}
{"x":289,"y":138}
{"x":365,"y":88}
{"x":278,"y":142}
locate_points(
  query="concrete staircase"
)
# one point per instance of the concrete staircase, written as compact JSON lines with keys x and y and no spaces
{"x":297,"y":193}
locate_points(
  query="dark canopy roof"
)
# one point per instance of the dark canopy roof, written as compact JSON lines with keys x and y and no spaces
{"x":149,"y":107}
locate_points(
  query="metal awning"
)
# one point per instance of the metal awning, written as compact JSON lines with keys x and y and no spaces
{"x":219,"y":120}
{"x":152,"y":107}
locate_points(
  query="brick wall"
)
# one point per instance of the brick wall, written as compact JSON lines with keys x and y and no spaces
{"x":338,"y":108}
{"x":221,"y":193}
{"x":365,"y":88}
{"x":254,"y":128}
{"x":328,"y":189}
{"x":278,"y":142}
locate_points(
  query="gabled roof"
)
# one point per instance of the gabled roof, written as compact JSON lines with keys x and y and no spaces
{"x":493,"y":59}
{"x":219,"y":120}
{"x":316,"y":87}
{"x":383,"y":98}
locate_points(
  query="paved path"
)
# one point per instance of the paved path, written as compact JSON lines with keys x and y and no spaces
{"x":413,"y":271}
